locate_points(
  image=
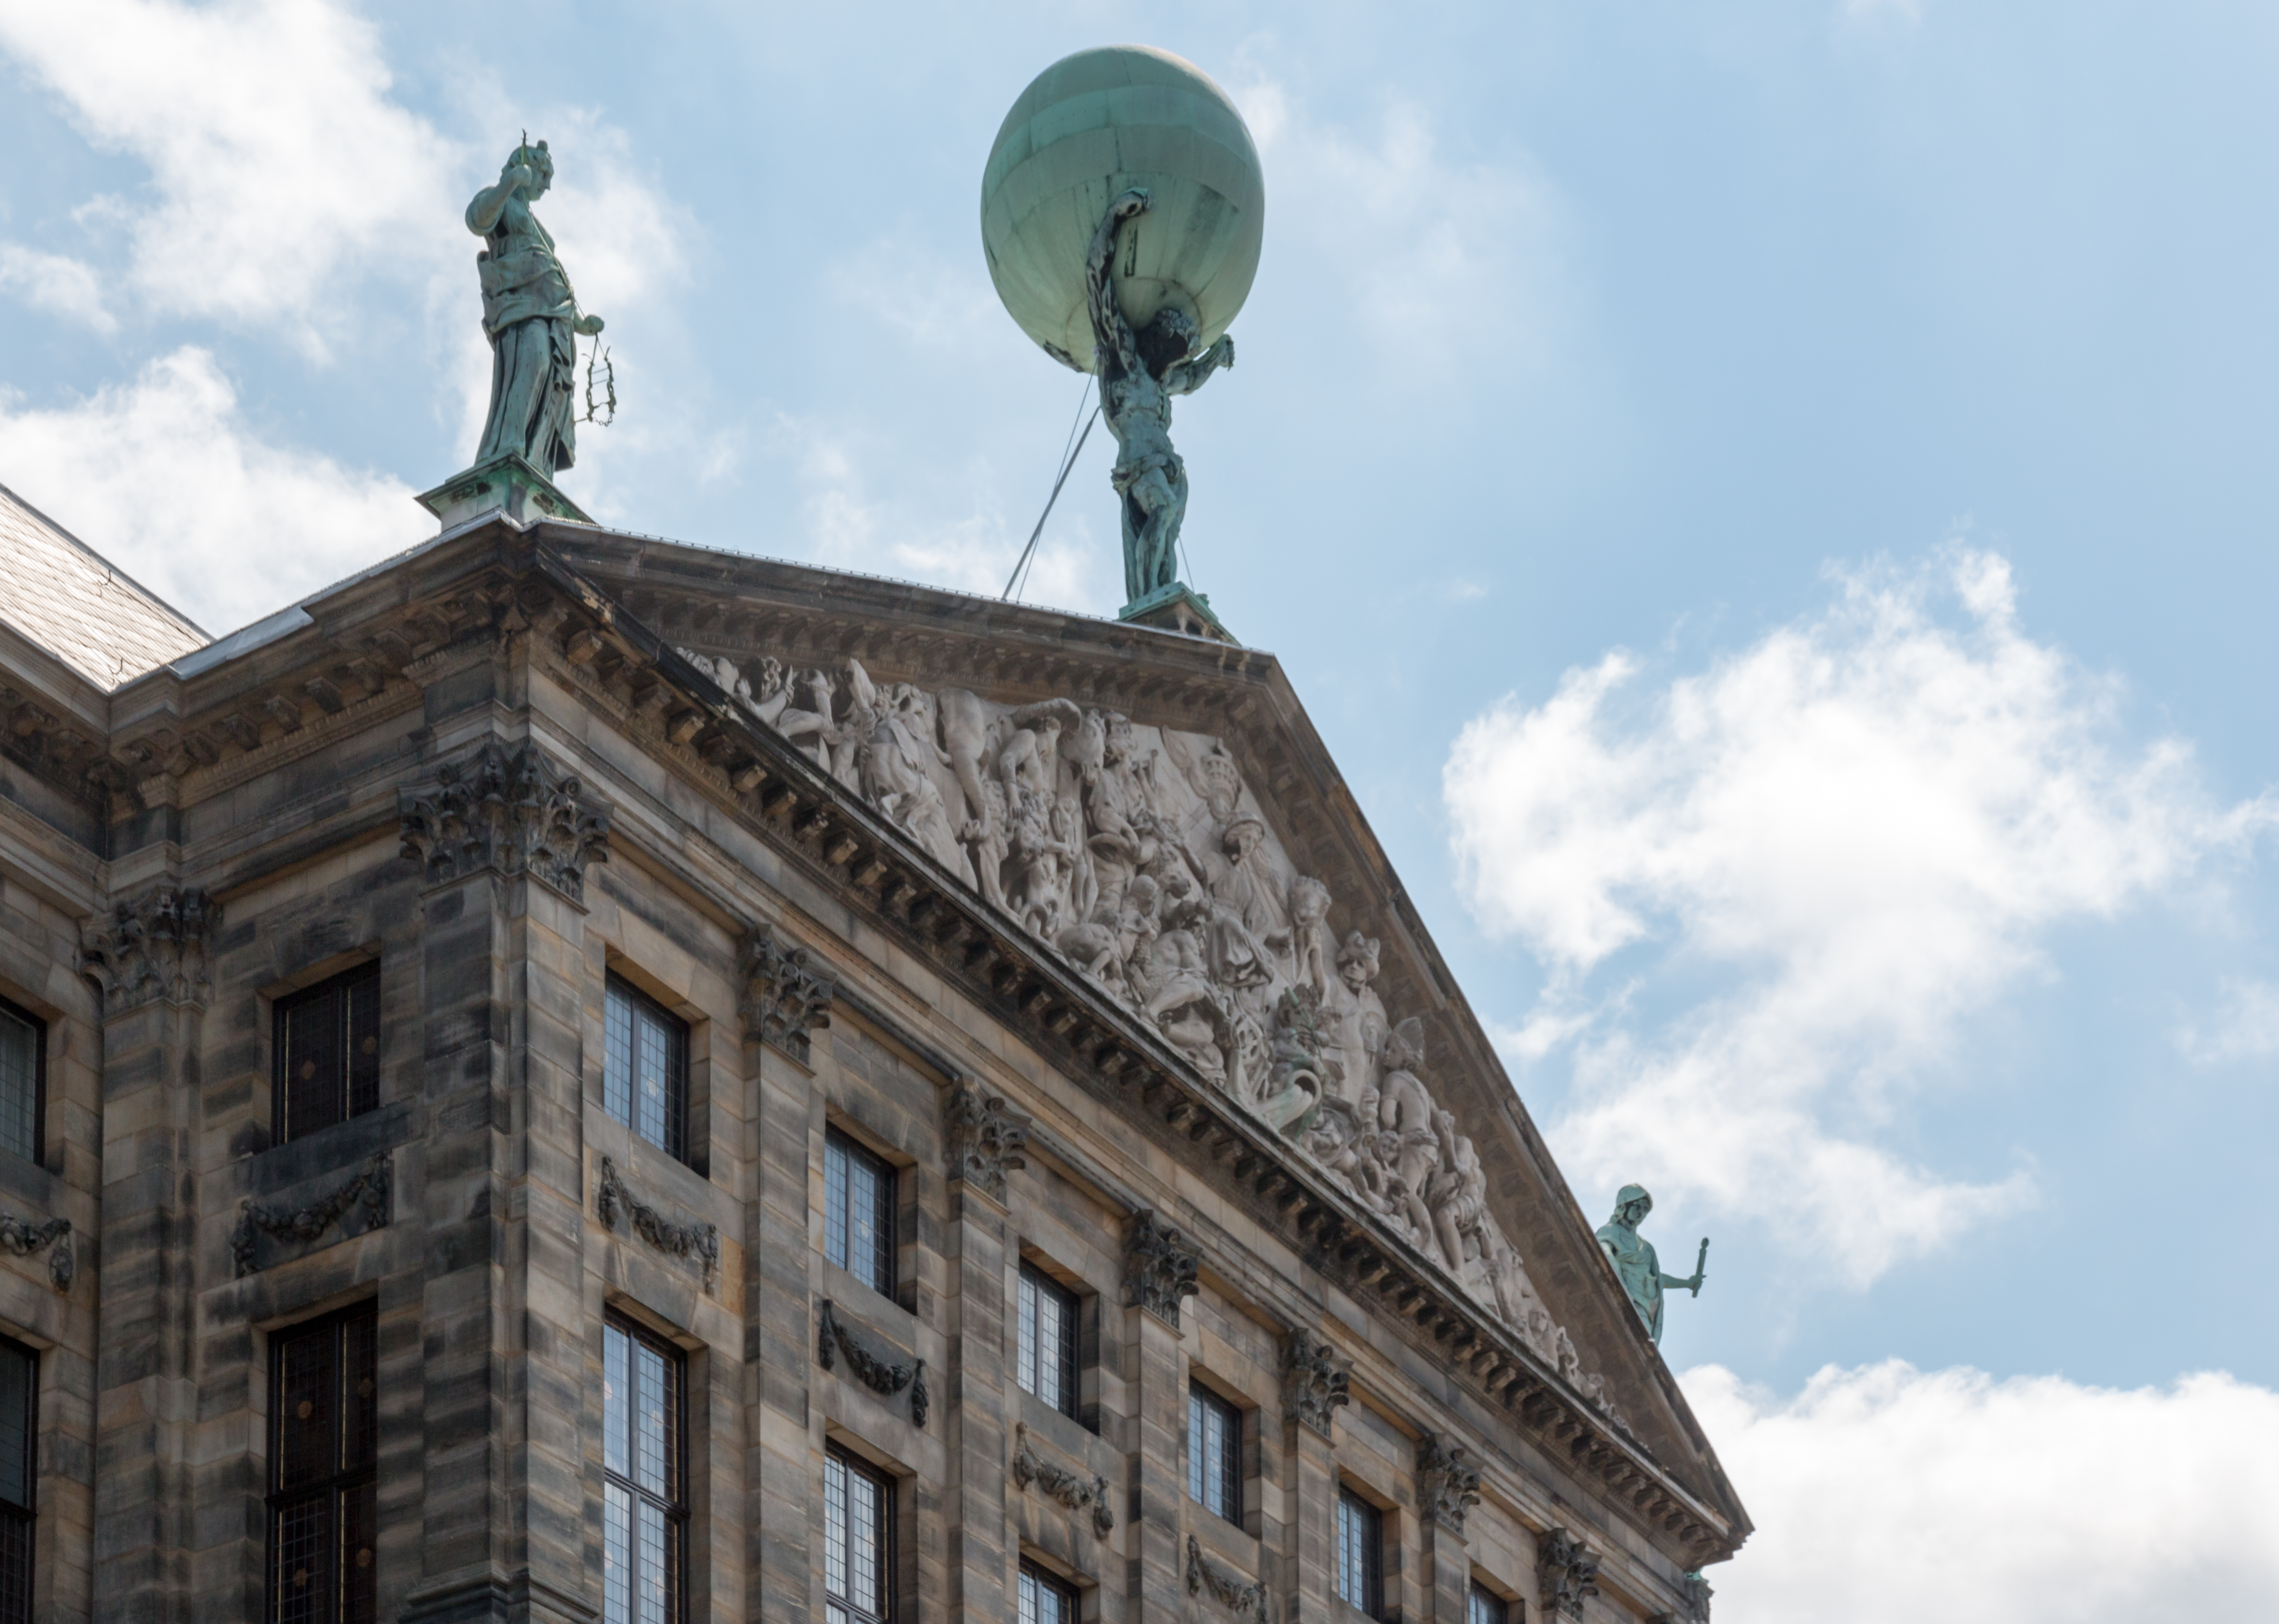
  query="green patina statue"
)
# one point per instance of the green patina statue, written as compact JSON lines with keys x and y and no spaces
{"x":1634,"y":1260}
{"x":1139,"y":373}
{"x":531,"y":316}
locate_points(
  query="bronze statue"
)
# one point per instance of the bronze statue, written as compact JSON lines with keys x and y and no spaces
{"x":531,"y":317}
{"x":1634,"y":1260}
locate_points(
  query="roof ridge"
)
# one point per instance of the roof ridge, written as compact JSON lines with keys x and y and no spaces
{"x":115,"y":572}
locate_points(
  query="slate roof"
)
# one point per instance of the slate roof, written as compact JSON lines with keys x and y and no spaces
{"x":76,"y":604}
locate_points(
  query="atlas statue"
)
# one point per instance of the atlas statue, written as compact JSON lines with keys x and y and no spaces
{"x":1139,"y":372}
{"x":1635,"y":1263}
{"x":531,"y":317}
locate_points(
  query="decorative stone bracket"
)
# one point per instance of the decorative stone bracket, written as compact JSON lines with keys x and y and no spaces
{"x":1249,"y":1601}
{"x":785,"y":996}
{"x":700,"y":1241}
{"x":1068,"y":1488}
{"x":151,"y":947}
{"x":880,"y":1376}
{"x":370,"y":1189}
{"x":983,"y":1137}
{"x":1566,"y":1572}
{"x":24,"y":1237}
{"x":1447,"y":1483}
{"x":1159,"y":1267}
{"x":515,"y":812}
{"x":1314,"y":1381}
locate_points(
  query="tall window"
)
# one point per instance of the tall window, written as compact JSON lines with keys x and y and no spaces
{"x":327,"y":1053}
{"x":23,"y":1079}
{"x":858,"y":1218}
{"x":1361,"y":1553}
{"x":858,"y":1579}
{"x":644,"y":1478}
{"x":324,"y":1435}
{"x":1213,"y":1452}
{"x":1487,"y":1607}
{"x":1046,"y":1362}
{"x":645,"y":1069}
{"x":19,"y":1431}
{"x":1045,"y":1599}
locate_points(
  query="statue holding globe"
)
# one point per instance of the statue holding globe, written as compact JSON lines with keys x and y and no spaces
{"x":1139,"y":373}
{"x":1121,"y":211}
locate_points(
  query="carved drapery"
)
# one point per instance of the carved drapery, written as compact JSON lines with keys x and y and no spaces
{"x":1244,"y":1599}
{"x":1141,"y":857}
{"x":370,"y":1189}
{"x":509,"y":810}
{"x":1314,"y":1380}
{"x":1448,"y":1483}
{"x":1566,"y":1572}
{"x":701,"y":1241}
{"x":1068,"y":1489}
{"x":151,"y":947}
{"x":26,"y":1238}
{"x":983,"y":1137}
{"x":1159,"y":1266}
{"x":786,"y":996}
{"x":833,"y":1340}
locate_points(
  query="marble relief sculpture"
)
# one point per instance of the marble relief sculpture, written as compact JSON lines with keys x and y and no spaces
{"x":1140,"y":856}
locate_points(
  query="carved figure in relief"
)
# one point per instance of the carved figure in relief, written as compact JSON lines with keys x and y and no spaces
{"x":1309,"y":913}
{"x":891,"y":764}
{"x":1181,"y":998}
{"x":1360,"y":1027}
{"x":1405,"y":1110}
{"x":1292,"y":1079}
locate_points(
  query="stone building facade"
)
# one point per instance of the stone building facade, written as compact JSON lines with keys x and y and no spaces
{"x":574,"y":1078}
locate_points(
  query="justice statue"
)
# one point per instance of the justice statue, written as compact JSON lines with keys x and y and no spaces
{"x":1635,"y":1262}
{"x":531,"y":317}
{"x":1139,"y":373}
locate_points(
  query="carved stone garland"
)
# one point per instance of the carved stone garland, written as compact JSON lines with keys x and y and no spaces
{"x":833,"y":1340}
{"x":151,"y":947}
{"x":1250,"y":1601}
{"x":983,"y":1137}
{"x":786,"y":997}
{"x":700,"y":1241}
{"x":370,"y":1189}
{"x":513,"y":811}
{"x":1314,"y":1381}
{"x":1159,"y":1266}
{"x":1447,"y":1483}
{"x":1067,"y":1488}
{"x":24,"y":1237}
{"x":1566,"y":1572}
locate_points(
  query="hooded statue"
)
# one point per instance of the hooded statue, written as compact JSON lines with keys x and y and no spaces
{"x":1635,"y":1266}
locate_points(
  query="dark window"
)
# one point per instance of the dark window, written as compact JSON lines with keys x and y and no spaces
{"x":644,"y":1478}
{"x":1487,"y":1607}
{"x":1361,"y":1553}
{"x":23,"y":1080}
{"x":858,"y":1218}
{"x":645,"y":1069}
{"x":19,"y":1432}
{"x":329,"y":1053}
{"x":858,"y":1579}
{"x":1045,"y":1599}
{"x":1046,"y":1364}
{"x":1213,"y":1453}
{"x":324,"y":1433}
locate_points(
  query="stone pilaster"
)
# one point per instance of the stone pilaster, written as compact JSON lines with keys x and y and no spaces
{"x":1314,"y":1384}
{"x":148,"y":956}
{"x":1159,"y":1270}
{"x":1447,"y":1486}
{"x":978,"y":1321}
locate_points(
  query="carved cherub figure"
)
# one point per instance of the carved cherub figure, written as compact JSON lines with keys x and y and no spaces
{"x":1404,"y":1109}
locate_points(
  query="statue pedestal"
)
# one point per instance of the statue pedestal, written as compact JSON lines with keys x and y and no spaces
{"x":1178,"y":608}
{"x":509,"y":483}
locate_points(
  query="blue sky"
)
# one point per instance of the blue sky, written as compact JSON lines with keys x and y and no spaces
{"x":1769,"y":504}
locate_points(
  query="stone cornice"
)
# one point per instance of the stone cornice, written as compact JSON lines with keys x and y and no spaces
{"x":625,"y":668}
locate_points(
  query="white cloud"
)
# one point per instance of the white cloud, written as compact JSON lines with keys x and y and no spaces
{"x":1858,"y":830}
{"x":52,"y":282}
{"x":1886,"y":1495}
{"x":163,"y":478}
{"x":2246,"y":1026}
{"x":849,"y":529}
{"x":283,"y":171}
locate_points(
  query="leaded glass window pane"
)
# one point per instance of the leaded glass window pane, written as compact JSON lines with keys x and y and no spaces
{"x":1044,"y":1599}
{"x":645,"y":1067}
{"x":857,"y":1575}
{"x":1488,"y":1608}
{"x":19,"y":1387}
{"x":1213,"y":1453}
{"x":858,"y":1227}
{"x":644,"y":1512}
{"x":23,"y":1045}
{"x":1045,"y":1361}
{"x":329,"y":1053}
{"x":1361,"y":1553}
{"x":324,"y":1436}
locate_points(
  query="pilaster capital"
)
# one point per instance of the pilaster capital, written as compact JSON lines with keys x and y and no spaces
{"x":1159,"y":1266}
{"x":786,"y":996}
{"x":1566,"y":1571}
{"x":1314,"y":1380}
{"x":507,"y":809}
{"x":982,"y":1137}
{"x":1448,"y":1483}
{"x":149,"y":947}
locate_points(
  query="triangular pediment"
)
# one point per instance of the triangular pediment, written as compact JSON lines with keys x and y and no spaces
{"x":1158,"y":812}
